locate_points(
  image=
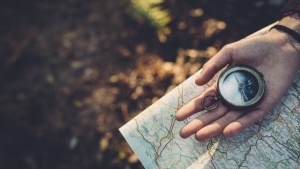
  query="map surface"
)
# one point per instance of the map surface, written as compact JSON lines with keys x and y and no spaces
{"x":273,"y":142}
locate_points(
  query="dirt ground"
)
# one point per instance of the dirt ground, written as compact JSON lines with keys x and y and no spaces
{"x":72,"y":72}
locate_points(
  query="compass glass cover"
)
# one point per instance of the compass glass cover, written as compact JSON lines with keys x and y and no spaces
{"x":240,"y":87}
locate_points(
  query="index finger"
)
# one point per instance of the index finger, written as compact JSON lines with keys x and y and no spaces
{"x":215,"y":64}
{"x":194,"y":105}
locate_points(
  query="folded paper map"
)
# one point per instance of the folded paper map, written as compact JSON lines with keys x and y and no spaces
{"x":272,"y":142}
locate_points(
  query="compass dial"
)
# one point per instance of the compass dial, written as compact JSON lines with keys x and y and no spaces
{"x":241,"y":86}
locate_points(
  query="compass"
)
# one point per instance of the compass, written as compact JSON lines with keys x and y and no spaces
{"x":240,"y":87}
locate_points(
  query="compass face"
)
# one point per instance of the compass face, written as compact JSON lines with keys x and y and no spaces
{"x":241,"y":87}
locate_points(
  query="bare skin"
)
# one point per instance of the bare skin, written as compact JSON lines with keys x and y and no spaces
{"x":276,"y":55}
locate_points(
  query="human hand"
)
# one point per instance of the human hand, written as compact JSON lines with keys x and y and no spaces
{"x":275,"y":55}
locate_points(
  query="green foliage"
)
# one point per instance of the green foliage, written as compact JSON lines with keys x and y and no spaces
{"x":150,"y":11}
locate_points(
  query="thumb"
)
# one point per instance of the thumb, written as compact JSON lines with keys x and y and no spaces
{"x":214,"y":65}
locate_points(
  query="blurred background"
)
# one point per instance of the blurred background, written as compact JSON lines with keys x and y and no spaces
{"x":73,"y":71}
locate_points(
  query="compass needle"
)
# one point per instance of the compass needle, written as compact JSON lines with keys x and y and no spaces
{"x":245,"y":96}
{"x":236,"y":78}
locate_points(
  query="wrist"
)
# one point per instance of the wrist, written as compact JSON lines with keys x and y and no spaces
{"x":281,"y":39}
{"x":284,"y":42}
{"x":292,"y":22}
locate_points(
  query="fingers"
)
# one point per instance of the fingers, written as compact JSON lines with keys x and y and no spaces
{"x":219,"y":61}
{"x":219,"y":121}
{"x":202,"y":121}
{"x":217,"y":126}
{"x":245,"y":121}
{"x":229,"y":124}
{"x":194,"y":105}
